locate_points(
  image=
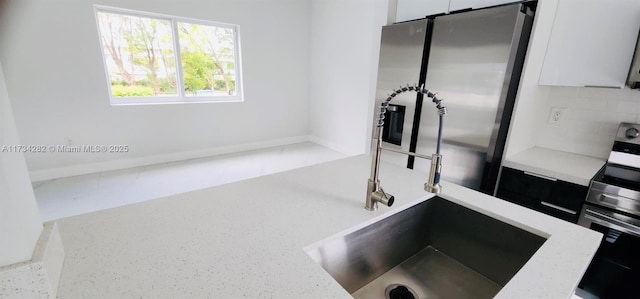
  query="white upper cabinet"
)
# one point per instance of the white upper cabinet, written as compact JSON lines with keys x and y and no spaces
{"x":591,"y":43}
{"x":474,"y":4}
{"x":418,"y":9}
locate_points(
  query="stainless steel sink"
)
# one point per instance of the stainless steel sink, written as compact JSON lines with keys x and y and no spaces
{"x":436,"y":249}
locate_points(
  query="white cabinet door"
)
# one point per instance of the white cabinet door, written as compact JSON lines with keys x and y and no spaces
{"x":464,"y":4}
{"x":591,"y":43}
{"x":418,"y":9}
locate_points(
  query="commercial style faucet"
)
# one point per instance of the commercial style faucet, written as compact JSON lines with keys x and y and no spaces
{"x":375,"y":193}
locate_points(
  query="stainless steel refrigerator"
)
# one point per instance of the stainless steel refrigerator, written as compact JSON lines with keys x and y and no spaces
{"x":473,"y":59}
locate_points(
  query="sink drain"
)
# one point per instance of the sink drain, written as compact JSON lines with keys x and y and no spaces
{"x":399,"y":291}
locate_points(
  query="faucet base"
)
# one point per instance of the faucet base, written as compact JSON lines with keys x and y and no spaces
{"x":371,"y":205}
{"x":435,"y":189}
{"x":371,"y":208}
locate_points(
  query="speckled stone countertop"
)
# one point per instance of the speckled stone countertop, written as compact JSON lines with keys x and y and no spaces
{"x":569,"y":167}
{"x":246,"y":239}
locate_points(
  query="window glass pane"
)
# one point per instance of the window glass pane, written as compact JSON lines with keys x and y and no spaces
{"x":208,"y":60}
{"x":139,"y":55}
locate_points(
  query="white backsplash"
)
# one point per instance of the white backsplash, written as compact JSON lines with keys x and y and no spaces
{"x":589,"y":120}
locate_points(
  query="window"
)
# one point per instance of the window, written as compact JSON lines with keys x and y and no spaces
{"x":151,"y":58}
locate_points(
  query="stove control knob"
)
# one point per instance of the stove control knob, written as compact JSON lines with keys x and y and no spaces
{"x":632,"y":133}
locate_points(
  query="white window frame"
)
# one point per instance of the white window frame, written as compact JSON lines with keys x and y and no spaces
{"x":181,"y":98}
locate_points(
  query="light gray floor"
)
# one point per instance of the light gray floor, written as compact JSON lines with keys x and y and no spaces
{"x":65,"y":197}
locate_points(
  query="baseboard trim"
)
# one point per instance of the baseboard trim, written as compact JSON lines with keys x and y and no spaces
{"x":334,"y":146}
{"x":61,"y":172}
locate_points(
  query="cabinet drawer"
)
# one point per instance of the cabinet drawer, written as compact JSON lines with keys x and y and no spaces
{"x":544,"y":194}
{"x":568,"y":195}
{"x":519,"y":181}
{"x":518,"y":187}
{"x":559,"y":211}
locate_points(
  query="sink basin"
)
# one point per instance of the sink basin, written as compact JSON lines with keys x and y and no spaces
{"x":435,"y":249}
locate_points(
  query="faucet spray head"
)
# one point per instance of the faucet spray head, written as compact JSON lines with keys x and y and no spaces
{"x":433,"y":183}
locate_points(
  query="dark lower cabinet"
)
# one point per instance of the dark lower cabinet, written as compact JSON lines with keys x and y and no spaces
{"x":544,"y":194}
{"x":615,"y":269}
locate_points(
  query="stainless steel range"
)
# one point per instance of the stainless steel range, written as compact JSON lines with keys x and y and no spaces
{"x":617,"y":187}
{"x":612,"y":207}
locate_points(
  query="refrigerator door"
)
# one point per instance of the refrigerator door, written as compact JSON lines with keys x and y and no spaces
{"x":469,"y":65}
{"x":399,"y":64}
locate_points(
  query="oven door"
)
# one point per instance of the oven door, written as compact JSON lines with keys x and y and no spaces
{"x":615,"y":270}
{"x":614,"y":197}
{"x":592,"y":214}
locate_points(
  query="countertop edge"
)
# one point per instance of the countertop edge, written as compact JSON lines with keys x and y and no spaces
{"x":565,"y":166}
{"x":574,"y":245}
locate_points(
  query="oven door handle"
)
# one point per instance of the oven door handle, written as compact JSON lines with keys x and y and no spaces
{"x":614,"y":199}
{"x":619,"y":202}
{"x":612,"y":222}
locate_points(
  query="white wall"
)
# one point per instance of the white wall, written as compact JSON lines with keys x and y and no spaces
{"x":56,"y":81}
{"x":345,"y":41}
{"x":591,"y":116}
{"x":20,"y":223}
{"x":531,"y":97}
